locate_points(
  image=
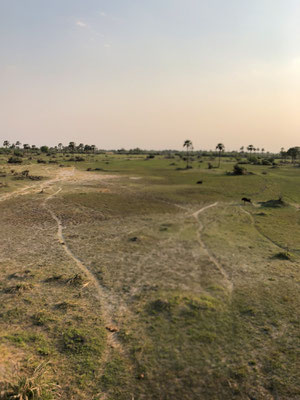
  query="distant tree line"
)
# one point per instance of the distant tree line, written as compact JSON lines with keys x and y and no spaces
{"x":188,"y":152}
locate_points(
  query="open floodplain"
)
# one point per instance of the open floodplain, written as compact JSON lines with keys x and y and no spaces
{"x":122,"y":278}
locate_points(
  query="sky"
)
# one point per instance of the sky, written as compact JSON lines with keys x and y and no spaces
{"x":150,"y":73}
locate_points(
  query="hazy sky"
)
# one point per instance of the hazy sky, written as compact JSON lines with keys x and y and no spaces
{"x":150,"y":73}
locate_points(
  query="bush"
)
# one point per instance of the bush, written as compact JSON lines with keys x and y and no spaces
{"x":14,"y":160}
{"x":238,"y":170}
{"x":283,"y":255}
{"x":18,"y":153}
{"x":253,"y":159}
{"x":273,"y":203}
{"x":266,"y":162}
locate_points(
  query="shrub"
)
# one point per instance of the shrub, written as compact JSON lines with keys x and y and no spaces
{"x":238,"y":170}
{"x":283,"y":255}
{"x":266,"y":162}
{"x":273,"y":203}
{"x":14,"y":160}
{"x":18,"y":153}
{"x":253,"y":159}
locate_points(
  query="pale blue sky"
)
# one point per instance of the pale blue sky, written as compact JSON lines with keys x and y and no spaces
{"x":150,"y":73}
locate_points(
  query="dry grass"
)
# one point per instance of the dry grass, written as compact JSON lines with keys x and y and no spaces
{"x":33,"y":387}
{"x":178,"y":332}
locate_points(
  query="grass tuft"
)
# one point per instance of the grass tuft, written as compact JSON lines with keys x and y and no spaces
{"x":34,"y":387}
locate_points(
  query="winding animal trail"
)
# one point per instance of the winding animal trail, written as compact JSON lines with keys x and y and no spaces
{"x":102,"y":293}
{"x":211,"y":257}
{"x":16,"y":193}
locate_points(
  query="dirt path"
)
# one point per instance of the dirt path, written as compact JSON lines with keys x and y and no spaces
{"x":107,"y":301}
{"x":72,"y":175}
{"x":211,"y":257}
{"x":61,"y":175}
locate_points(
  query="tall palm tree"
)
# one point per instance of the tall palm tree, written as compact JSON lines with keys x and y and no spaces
{"x":6,"y":144}
{"x":250,"y":148}
{"x":220,"y":147}
{"x":188,"y":144}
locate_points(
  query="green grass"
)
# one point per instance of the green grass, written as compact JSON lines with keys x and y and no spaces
{"x":181,"y":333}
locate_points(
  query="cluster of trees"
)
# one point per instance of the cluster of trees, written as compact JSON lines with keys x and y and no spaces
{"x":70,"y":148}
{"x":17,"y":148}
{"x":292,"y":152}
{"x":251,"y":149}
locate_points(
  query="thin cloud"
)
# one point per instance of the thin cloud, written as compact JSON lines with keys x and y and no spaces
{"x":107,"y":45}
{"x":103,"y":14}
{"x":81,"y":24}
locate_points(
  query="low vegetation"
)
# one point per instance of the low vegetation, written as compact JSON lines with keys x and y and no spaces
{"x":150,"y":294}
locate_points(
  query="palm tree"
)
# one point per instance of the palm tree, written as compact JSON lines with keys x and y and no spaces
{"x":220,"y":147}
{"x":18,"y":144}
{"x":242,"y":149}
{"x":26,"y":147}
{"x":188,"y":144}
{"x":250,"y":148}
{"x":6,"y":144}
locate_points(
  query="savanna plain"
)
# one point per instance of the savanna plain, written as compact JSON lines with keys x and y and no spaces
{"x":122,"y":278}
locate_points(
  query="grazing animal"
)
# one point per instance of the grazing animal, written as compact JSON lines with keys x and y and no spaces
{"x":246,"y":200}
{"x":199,"y":182}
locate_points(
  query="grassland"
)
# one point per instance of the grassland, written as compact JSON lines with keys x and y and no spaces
{"x":118,"y":278}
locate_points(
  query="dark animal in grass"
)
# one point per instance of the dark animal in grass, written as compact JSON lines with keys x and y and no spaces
{"x":246,"y":200}
{"x":199,"y":182}
{"x":133,"y":239}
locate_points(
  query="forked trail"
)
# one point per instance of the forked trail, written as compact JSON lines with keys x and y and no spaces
{"x":61,"y":175}
{"x":208,"y":252}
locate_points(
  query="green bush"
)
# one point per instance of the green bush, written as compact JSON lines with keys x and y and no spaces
{"x":14,"y":160}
